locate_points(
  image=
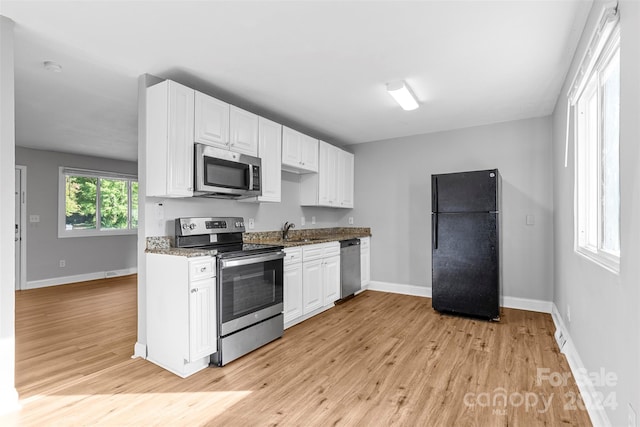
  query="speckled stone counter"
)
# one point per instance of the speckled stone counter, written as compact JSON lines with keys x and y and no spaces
{"x":307,"y":236}
{"x":162,"y":245}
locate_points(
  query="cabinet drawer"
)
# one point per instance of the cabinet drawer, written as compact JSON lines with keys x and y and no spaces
{"x":202,"y":269}
{"x":312,"y":252}
{"x":292,"y":256}
{"x":331,"y":249}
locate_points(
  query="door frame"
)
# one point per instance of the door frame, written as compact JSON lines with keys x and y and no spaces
{"x":23,"y":228}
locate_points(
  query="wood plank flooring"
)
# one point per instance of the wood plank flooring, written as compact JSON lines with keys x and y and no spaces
{"x":379,"y":359}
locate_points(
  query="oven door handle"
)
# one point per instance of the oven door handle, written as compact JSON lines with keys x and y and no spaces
{"x":224,"y":263}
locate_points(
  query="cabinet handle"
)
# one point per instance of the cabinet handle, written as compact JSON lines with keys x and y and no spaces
{"x":194,"y":290}
{"x":203,"y":269}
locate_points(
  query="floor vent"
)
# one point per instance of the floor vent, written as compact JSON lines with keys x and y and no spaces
{"x":560,"y":339}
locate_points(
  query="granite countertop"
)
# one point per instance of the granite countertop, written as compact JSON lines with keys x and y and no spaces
{"x":164,"y":244}
{"x":310,"y":236}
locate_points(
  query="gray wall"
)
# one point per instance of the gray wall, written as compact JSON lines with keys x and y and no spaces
{"x":393,"y":196}
{"x":83,"y":255}
{"x":604,"y":306}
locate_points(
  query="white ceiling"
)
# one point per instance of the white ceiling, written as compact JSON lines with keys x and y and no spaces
{"x":318,"y":66}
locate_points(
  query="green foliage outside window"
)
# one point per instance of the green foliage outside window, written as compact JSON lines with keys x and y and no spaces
{"x":116,"y":213}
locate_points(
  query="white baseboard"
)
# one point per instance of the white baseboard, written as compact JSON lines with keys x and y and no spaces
{"x":395,"y":288}
{"x":9,"y":400}
{"x":588,"y":392}
{"x":421,"y":291}
{"x":527,"y":304}
{"x":139,"y":350}
{"x":34,"y":284}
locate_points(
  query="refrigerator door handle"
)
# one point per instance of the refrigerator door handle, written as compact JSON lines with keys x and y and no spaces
{"x":434,"y":231}
{"x":434,"y":194}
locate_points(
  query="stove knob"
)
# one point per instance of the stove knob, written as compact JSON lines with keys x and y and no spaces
{"x":185,"y":226}
{"x":192,"y":226}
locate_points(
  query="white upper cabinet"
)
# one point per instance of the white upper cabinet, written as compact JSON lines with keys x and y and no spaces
{"x":332,"y":186}
{"x":211,"y":121}
{"x":243,"y":127}
{"x":270,"y":152}
{"x":169,"y":147}
{"x":328,"y":175}
{"x":299,"y":152}
{"x":345,"y":179}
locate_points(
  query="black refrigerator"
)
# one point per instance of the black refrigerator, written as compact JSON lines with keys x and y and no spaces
{"x":465,"y":232}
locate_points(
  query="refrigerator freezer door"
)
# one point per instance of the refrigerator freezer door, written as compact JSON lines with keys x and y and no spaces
{"x":465,"y":192}
{"x":465,"y":269}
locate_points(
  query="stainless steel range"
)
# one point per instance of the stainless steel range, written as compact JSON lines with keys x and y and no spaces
{"x":249,"y":284}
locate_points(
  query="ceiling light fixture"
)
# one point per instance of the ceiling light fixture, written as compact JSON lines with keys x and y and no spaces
{"x":52,"y":66}
{"x":402,"y":94}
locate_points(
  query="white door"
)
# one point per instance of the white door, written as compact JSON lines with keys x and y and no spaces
{"x":18,"y":227}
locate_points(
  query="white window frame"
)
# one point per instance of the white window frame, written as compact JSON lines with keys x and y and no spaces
{"x":589,"y":182}
{"x":98,"y":231}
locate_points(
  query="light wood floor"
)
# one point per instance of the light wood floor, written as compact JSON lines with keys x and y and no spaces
{"x":378,"y":359}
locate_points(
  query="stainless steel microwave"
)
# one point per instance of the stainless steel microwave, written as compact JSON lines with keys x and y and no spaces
{"x":224,"y":174}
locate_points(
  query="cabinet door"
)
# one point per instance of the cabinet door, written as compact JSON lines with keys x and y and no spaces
{"x":270,"y":151}
{"x":291,"y":148}
{"x":309,"y":153}
{"x":331,"y":279}
{"x":202,"y":319}
{"x":180,"y":141}
{"x":243,"y":127}
{"x":327,"y":182}
{"x":345,"y":177}
{"x":292,"y":292}
{"x":169,"y":146}
{"x":365,"y":261}
{"x":312,"y":289}
{"x":211,"y":121}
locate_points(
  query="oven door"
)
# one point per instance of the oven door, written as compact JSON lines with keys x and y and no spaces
{"x":250,"y":290}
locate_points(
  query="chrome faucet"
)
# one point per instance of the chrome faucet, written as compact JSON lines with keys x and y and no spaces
{"x":285,"y":229}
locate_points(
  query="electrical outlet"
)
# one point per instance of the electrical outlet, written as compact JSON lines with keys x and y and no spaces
{"x":302,"y":221}
{"x":313,"y":220}
{"x":350,"y":220}
{"x":251,"y":223}
{"x":531,"y":220}
{"x":34,"y":218}
{"x":632,"y":420}
{"x":63,"y":263}
{"x":568,"y":313}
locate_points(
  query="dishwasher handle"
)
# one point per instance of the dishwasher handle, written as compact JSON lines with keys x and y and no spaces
{"x":350,"y":242}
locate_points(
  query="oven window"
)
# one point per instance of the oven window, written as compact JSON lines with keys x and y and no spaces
{"x":223,"y":173}
{"x":248,"y":288}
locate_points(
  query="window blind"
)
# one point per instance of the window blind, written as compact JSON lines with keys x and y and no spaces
{"x":607,"y":23}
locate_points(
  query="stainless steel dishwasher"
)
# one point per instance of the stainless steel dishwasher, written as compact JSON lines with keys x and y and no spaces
{"x":350,"y":281}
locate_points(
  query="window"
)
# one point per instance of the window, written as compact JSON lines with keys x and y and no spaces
{"x":93,"y":203}
{"x":597,"y":134}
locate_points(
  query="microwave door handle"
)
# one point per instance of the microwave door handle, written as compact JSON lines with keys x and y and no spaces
{"x":250,"y":172}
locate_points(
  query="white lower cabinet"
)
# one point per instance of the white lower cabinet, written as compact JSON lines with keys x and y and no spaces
{"x":292,"y":281}
{"x":365,"y":261}
{"x":311,"y":280}
{"x":181,"y":312}
{"x":312,"y":285}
